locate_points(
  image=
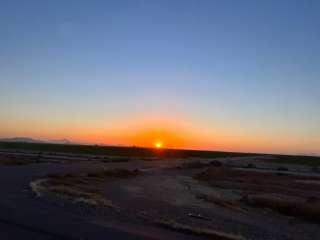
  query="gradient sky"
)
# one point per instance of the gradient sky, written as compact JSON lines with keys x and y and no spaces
{"x":221,"y":75}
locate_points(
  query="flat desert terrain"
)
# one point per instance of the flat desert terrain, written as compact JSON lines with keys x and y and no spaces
{"x":54,"y":195}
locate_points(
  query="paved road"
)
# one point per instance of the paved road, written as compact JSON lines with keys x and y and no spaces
{"x":22,"y":216}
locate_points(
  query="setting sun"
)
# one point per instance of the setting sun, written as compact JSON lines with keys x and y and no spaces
{"x":158,"y":144}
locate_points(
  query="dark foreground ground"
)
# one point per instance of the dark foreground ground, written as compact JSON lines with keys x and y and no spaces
{"x":56,"y":195}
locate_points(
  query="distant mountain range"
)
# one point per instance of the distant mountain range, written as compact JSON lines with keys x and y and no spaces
{"x":31,"y":140}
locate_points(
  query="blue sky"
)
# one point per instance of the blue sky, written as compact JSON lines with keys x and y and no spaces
{"x":248,"y":67}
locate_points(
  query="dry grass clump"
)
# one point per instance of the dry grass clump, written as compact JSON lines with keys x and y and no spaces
{"x":81,"y":194}
{"x":215,"y":163}
{"x":194,"y":164}
{"x":20,"y":160}
{"x":76,"y":189}
{"x":60,"y":175}
{"x":217,"y":235}
{"x":292,"y":195}
{"x":263,"y":182}
{"x":115,"y":173}
{"x":82,"y":187}
{"x":151,"y":158}
{"x":251,"y":165}
{"x":219,"y":201}
{"x":288,"y":206}
{"x":200,"y":164}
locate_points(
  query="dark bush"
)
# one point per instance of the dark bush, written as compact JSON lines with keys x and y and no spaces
{"x":283,"y":169}
{"x":194,"y":164}
{"x":251,"y":165}
{"x":215,"y":163}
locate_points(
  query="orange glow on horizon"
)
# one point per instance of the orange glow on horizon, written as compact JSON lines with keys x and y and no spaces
{"x":147,"y":131}
{"x":179,"y":132}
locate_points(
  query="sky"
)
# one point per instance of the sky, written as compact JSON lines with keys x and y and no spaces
{"x":218,"y":75}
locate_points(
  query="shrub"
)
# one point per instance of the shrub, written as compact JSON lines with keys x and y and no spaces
{"x":282,"y":169}
{"x":194,"y":164}
{"x":291,"y":207}
{"x":215,"y":163}
{"x":251,"y":165}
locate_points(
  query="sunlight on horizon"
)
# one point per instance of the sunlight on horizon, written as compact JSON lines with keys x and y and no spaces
{"x":158,"y":144}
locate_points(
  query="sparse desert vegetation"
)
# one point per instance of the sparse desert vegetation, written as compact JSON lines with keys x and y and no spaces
{"x":17,"y":160}
{"x":311,"y":161}
{"x":226,"y":198}
{"x":174,"y":225}
{"x":81,"y":187}
{"x":286,"y":194}
{"x":219,"y":201}
{"x":292,"y":206}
